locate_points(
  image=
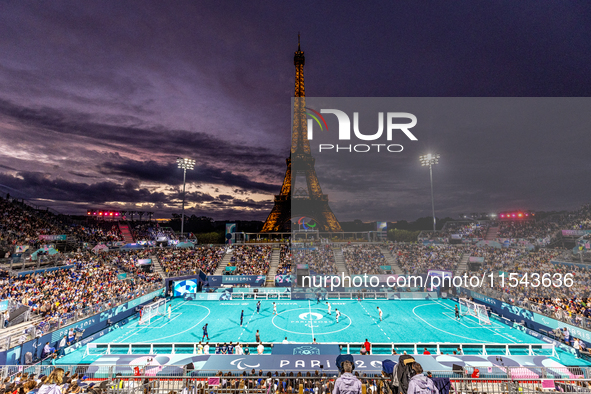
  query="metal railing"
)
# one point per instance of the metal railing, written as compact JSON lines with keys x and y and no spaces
{"x":385,"y":348}
{"x":140,"y":379}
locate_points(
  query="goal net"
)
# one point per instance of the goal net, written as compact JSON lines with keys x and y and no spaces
{"x":149,"y":311}
{"x":471,"y":308}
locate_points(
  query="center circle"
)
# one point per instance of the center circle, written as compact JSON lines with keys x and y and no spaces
{"x":311,"y":320}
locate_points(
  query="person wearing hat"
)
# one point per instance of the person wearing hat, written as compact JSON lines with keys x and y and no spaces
{"x":347,"y":383}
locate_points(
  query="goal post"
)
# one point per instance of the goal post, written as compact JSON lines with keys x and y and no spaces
{"x":471,"y":308}
{"x":149,"y":311}
{"x":482,"y":314}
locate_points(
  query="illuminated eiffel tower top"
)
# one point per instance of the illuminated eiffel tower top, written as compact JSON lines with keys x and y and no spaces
{"x":299,"y":140}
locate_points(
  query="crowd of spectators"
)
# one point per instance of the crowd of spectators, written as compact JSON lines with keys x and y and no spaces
{"x":576,"y":220}
{"x":416,"y":259}
{"x":320,"y":259}
{"x":567,"y":303}
{"x":22,"y":225}
{"x":99,"y":233}
{"x":465,"y":229}
{"x":57,"y":382}
{"x":275,"y":382}
{"x":530,"y":230}
{"x":364,"y":259}
{"x":178,"y":261}
{"x":495,"y":259}
{"x":250,"y":260}
{"x":60,"y":294}
{"x":284,"y":267}
{"x":142,"y":231}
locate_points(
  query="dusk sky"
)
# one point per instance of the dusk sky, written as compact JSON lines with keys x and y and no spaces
{"x":98,"y":99}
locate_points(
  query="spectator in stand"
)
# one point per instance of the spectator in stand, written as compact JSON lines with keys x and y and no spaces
{"x":419,"y":383}
{"x":364,"y":259}
{"x":52,"y":384}
{"x":90,"y":285}
{"x":320,"y":260}
{"x":179,"y":261}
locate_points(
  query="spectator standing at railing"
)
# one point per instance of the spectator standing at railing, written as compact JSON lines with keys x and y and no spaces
{"x":62,"y":345}
{"x":566,"y":335}
{"x":577,"y":346}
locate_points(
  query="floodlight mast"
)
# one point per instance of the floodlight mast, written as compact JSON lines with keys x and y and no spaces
{"x":185,"y":164}
{"x":430,"y":160}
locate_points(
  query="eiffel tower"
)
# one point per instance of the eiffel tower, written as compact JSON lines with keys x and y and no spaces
{"x":300,"y":195}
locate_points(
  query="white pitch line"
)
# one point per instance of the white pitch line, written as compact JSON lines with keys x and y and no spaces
{"x":375,"y":321}
{"x":243,"y":329}
{"x":439,"y":329}
{"x":311,"y":322}
{"x":491,"y":329}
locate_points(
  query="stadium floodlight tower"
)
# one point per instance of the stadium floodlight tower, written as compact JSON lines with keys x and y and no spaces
{"x":185,"y":164}
{"x":430,"y":160}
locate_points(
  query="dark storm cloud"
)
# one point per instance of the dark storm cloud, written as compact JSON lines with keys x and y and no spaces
{"x":70,"y":124}
{"x":109,"y":93}
{"x":30,"y":183}
{"x":169,"y":174}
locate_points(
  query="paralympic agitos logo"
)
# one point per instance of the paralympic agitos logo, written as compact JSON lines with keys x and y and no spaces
{"x":394,"y":124}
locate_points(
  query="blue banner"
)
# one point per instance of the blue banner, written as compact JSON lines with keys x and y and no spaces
{"x":252,"y":280}
{"x":305,"y":350}
{"x":167,"y":364}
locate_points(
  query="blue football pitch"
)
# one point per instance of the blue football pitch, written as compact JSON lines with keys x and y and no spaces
{"x":403,"y":321}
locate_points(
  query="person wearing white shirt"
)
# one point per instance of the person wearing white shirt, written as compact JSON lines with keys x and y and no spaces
{"x":260,"y":348}
{"x":566,"y":336}
{"x":206,"y":348}
{"x":577,"y":346}
{"x":47,"y":350}
{"x":62,"y":346}
{"x":285,"y":340}
{"x":200,"y":348}
{"x":238,"y":349}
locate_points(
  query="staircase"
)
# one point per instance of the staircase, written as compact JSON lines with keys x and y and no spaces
{"x":462,"y":265}
{"x":491,"y":234}
{"x":19,"y":315}
{"x":157,"y":266}
{"x":273,"y":267}
{"x":339,"y":260}
{"x":126,"y":233}
{"x":391,"y":261}
{"x":223,"y":264}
